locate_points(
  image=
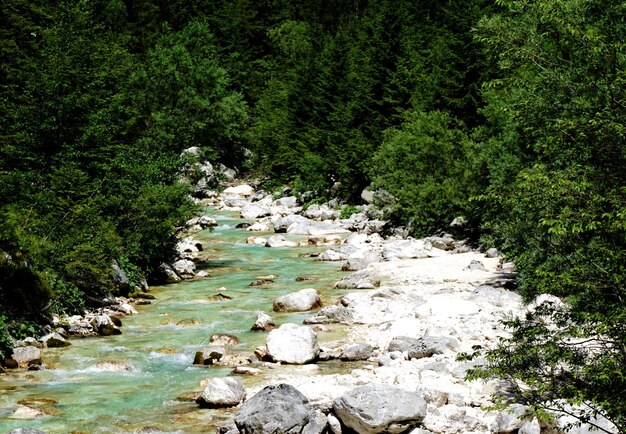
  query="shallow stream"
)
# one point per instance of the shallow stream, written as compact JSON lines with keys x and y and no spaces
{"x":158,"y":345}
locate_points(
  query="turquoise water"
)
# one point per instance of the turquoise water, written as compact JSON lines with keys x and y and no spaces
{"x":158,"y":346}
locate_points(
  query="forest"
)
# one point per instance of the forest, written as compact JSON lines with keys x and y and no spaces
{"x":510,"y":113}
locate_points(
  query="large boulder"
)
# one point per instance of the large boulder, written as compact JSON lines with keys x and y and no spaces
{"x":243,"y":190}
{"x":185,"y":268}
{"x":119,"y":277}
{"x":168,"y":273}
{"x":222,"y":392}
{"x":281,"y":224}
{"x":428,"y":346}
{"x":254,"y":210}
{"x":54,"y":339}
{"x":23,"y":357}
{"x":291,"y":343}
{"x":301,"y":301}
{"x":278,"y":409}
{"x":378,"y":408}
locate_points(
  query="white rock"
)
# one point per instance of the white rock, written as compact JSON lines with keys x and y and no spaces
{"x":242,"y":190}
{"x":222,"y":392}
{"x":300,"y":301}
{"x":291,"y":343}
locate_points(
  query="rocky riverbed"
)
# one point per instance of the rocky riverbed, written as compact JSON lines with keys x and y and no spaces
{"x":417,"y":304}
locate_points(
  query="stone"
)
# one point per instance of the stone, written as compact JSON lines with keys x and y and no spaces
{"x":279,"y":241}
{"x":25,"y":431}
{"x":104,"y":325}
{"x":428,"y":346}
{"x":189,"y":245}
{"x":224,"y":339}
{"x":402,"y":344}
{"x":333,"y":424}
{"x":492,"y":253}
{"x":23,"y":357}
{"x":300,"y":301}
{"x":445,"y":242}
{"x":360,"y":259}
{"x":288,"y":202}
{"x":185,"y":268}
{"x":126,"y":309}
{"x":254,"y":210}
{"x":261,"y":282}
{"x":277,"y":409}
{"x":203,"y":222}
{"x":476,"y":265}
{"x":246,"y":370}
{"x":259,"y":227}
{"x":209,"y":356}
{"x":362,"y":279}
{"x":259,"y":241}
{"x":25,"y":412}
{"x":378,"y":408}
{"x":331,"y":255}
{"x":331,"y":315}
{"x":263,"y":322}
{"x":367,"y":196}
{"x":169,"y":275}
{"x":119,"y":277}
{"x":243,"y":190}
{"x":281,"y":224}
{"x":291,"y":343}
{"x":357,"y":352}
{"x":54,"y":340}
{"x":113,"y":366}
{"x":222,"y":392}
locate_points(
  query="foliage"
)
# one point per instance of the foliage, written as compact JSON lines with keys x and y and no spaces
{"x":426,"y":165}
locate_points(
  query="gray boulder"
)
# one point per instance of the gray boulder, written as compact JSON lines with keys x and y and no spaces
{"x":362,"y":279}
{"x":331,"y":315}
{"x":428,"y":346}
{"x":280,"y":409}
{"x":104,"y":325}
{"x":300,"y":301}
{"x":402,"y":344}
{"x":168,"y":273}
{"x":291,"y":343}
{"x":282,"y":223}
{"x":361,"y":259}
{"x":378,"y":408}
{"x":119,"y":277}
{"x":357,"y":352}
{"x":254,"y":210}
{"x":222,"y":392}
{"x":185,"y":268}
{"x":54,"y":340}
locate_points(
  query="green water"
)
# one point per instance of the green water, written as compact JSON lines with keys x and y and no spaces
{"x":159,"y":344}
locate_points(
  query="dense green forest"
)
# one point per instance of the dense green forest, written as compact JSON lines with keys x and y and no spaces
{"x":510,"y":113}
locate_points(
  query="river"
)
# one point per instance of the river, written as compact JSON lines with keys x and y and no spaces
{"x":159,"y":344}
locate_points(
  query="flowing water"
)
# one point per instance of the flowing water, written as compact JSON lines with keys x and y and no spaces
{"x":158,"y":345}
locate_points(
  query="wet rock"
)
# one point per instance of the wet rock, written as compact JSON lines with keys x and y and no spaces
{"x":263,"y":322}
{"x":362,"y":279}
{"x":105,"y":326}
{"x":378,"y":408}
{"x":324,"y":240}
{"x":258,"y":241}
{"x":25,"y":431}
{"x":291,"y":343}
{"x":224,"y":339}
{"x":243,"y":226}
{"x":23,"y":357}
{"x":246,"y":370}
{"x":280,"y":241}
{"x":113,"y":366}
{"x":277,"y":409}
{"x":261,"y":282}
{"x":222,"y":392}
{"x":54,"y":340}
{"x":219,"y":297}
{"x":300,"y":301}
{"x":357,"y":352}
{"x":25,"y":412}
{"x":306,"y":279}
{"x":209,"y":356}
